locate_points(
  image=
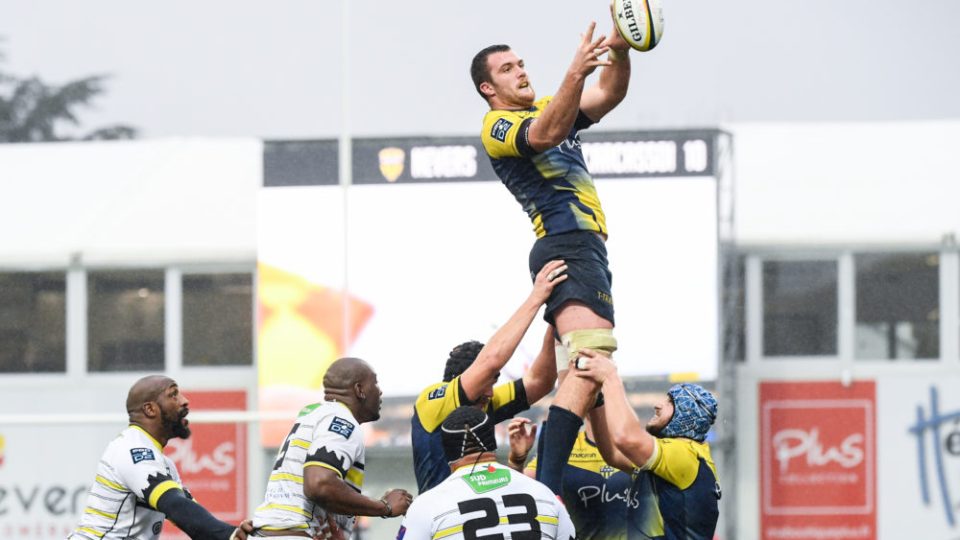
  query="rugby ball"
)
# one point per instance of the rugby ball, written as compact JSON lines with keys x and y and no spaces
{"x":639,"y":22}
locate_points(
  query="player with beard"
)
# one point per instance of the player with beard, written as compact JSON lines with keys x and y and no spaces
{"x":137,"y":486}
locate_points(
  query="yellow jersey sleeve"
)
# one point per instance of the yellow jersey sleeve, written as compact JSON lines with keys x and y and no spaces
{"x":678,"y":461}
{"x":508,"y":399}
{"x":503,"y":132}
{"x":436,"y":402}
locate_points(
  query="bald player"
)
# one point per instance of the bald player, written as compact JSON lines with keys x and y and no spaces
{"x":315,"y":486}
{"x":137,"y":486}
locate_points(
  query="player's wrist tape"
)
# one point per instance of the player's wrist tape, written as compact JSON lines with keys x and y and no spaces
{"x":387,"y":509}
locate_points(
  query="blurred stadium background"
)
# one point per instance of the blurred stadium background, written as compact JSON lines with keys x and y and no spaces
{"x":783,"y":229}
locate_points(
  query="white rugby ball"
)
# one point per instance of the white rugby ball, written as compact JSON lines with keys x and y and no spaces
{"x":640,"y":22}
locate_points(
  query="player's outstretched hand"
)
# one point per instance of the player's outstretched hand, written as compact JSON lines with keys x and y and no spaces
{"x":522,"y":435}
{"x":398,"y":500}
{"x":615,"y":41}
{"x":551,"y":275}
{"x":242,"y":530}
{"x":595,"y":366}
{"x":589,"y":52}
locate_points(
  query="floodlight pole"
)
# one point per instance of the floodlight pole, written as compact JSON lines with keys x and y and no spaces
{"x":345,"y":163}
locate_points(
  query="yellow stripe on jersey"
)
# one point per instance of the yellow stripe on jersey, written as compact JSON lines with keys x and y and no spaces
{"x":112,"y":485}
{"x":288,"y":508}
{"x":149,"y":436}
{"x":94,"y":511}
{"x":290,"y":528}
{"x":448,"y":532}
{"x":319,"y":464}
{"x":548,"y":519}
{"x":158,"y":491}
{"x":300,"y":443}
{"x":286,"y":476}
{"x":355,"y":476}
{"x":503,"y":394}
{"x":87,"y":530}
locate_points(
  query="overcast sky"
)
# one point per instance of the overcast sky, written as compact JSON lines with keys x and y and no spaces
{"x":275,"y":69}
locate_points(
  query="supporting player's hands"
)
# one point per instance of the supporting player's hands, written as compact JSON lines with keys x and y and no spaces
{"x":551,"y":275}
{"x":329,"y":530}
{"x":522,"y":434}
{"x":595,"y":366}
{"x":242,"y":530}
{"x":589,"y":52}
{"x":397,"y":502}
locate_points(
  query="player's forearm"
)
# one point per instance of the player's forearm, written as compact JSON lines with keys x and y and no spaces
{"x":615,"y":78}
{"x":626,"y":432}
{"x":555,"y":122}
{"x":539,"y":380}
{"x":501,"y":346}
{"x":339,"y":498}
{"x":601,"y":435}
{"x":193,"y":519}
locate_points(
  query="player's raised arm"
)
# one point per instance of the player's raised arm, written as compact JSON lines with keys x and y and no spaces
{"x":601,"y":98}
{"x":483,"y":372}
{"x":554,"y":125}
{"x":539,"y":380}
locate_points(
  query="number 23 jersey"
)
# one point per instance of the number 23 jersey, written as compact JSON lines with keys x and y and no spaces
{"x":487,"y":501}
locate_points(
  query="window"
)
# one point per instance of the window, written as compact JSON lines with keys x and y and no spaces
{"x":897,"y":305}
{"x":217,"y":319}
{"x":33,"y":322}
{"x":125,"y":325}
{"x":799,"y":308}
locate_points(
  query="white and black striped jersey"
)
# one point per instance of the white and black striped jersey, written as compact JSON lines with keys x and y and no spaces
{"x":132,"y":475}
{"x":324,"y":435}
{"x":489,"y":501}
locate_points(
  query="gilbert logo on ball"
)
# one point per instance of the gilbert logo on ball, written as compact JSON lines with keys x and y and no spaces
{"x":639,"y":22}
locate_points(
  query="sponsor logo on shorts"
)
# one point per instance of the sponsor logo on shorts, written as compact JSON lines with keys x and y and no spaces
{"x":604,"y":297}
{"x":438,"y":392}
{"x":157,"y":527}
{"x":500,"y":129}
{"x":342,"y":427}
{"x":141,"y":454}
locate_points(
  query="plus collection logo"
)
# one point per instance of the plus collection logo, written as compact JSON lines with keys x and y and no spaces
{"x":941,"y":430}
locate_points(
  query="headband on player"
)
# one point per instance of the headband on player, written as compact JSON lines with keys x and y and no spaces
{"x":694,"y":410}
{"x":467,"y":430}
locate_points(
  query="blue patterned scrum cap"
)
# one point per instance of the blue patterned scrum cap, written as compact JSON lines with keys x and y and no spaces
{"x":694,"y":410}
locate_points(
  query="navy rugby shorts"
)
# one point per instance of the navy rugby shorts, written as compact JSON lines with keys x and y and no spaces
{"x":589,"y":279}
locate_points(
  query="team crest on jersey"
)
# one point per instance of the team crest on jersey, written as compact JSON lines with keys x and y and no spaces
{"x":438,"y":392}
{"x":342,"y":427}
{"x":141,"y":454}
{"x":500,"y":129}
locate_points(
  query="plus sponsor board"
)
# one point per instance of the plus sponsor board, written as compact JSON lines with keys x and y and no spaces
{"x":213,"y":461}
{"x":818,"y":460}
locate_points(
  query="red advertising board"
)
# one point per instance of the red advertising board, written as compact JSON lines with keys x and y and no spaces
{"x":818,"y":460}
{"x":213,"y":461}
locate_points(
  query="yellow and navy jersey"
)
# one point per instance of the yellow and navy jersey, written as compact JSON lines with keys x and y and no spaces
{"x":324,"y":435}
{"x":678,"y":493}
{"x":132,"y":476}
{"x":596,"y":495}
{"x":554,"y":187}
{"x":432,"y":407}
{"x":491,"y":499}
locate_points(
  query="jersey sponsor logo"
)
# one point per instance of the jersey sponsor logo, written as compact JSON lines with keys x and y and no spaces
{"x":484,"y":481}
{"x":342,"y":427}
{"x":141,"y":454}
{"x":500,"y":129}
{"x":157,"y":527}
{"x":401,"y":532}
{"x":438,"y":392}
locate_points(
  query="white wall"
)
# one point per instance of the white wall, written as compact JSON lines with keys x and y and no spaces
{"x":860,"y":183}
{"x":159,"y":201}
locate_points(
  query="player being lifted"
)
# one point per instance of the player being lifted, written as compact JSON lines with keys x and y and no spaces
{"x":534,"y":147}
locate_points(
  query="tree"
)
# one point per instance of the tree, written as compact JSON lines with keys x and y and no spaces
{"x":31,"y":110}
